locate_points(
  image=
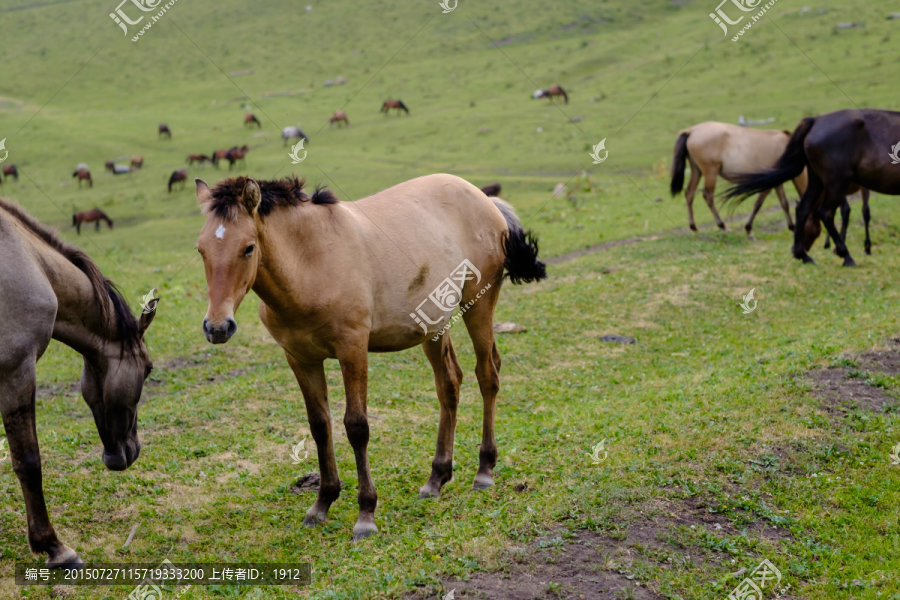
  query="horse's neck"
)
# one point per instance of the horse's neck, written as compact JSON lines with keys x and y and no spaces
{"x":79,"y":320}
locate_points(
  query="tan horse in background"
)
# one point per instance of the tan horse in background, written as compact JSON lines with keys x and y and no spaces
{"x":338,"y":280}
{"x":721,"y":149}
{"x":51,"y":290}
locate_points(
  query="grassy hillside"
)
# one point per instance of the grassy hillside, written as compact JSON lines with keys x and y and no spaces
{"x":691,"y":411}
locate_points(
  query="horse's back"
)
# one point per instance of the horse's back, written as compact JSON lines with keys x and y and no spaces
{"x":736,"y":149}
{"x":27,"y":301}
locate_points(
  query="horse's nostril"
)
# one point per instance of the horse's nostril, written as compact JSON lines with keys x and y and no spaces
{"x":205,"y":326}
{"x":231,"y":327}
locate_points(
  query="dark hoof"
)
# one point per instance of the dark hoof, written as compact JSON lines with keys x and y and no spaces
{"x":849,"y":262}
{"x":790,"y":226}
{"x":67,"y":560}
{"x":722,"y":227}
{"x":482,"y":482}
{"x":807,"y":260}
{"x":693,"y":227}
{"x":869,"y":249}
{"x":363,"y":530}
{"x":827,"y":245}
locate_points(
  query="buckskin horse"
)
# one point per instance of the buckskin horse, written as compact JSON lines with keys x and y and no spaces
{"x":90,"y":216}
{"x":841,"y":151}
{"x":389,"y":104}
{"x":724,"y":150}
{"x":55,"y":291}
{"x":335,"y":284}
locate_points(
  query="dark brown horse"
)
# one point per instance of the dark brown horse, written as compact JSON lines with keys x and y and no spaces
{"x":218,"y":155}
{"x":110,"y":166}
{"x":250,"y":119}
{"x":90,"y":216}
{"x":553,"y":90}
{"x":83,"y":175}
{"x":11,"y":171}
{"x":492,"y":190}
{"x":137,"y":162}
{"x":237,"y":154}
{"x":164,"y":130}
{"x":839,"y":150}
{"x":389,"y":104}
{"x":200,"y":158}
{"x":179,"y":175}
{"x":52,"y":290}
{"x":337,"y":117}
{"x":814,"y":224}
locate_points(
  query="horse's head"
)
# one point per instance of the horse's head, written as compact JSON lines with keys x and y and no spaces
{"x":111,"y":384}
{"x":228,"y":245}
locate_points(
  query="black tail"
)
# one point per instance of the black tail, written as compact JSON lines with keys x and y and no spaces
{"x":521,"y":248}
{"x":789,"y":166}
{"x":679,"y":162}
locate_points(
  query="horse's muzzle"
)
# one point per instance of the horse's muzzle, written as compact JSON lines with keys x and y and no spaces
{"x":123,"y":457}
{"x":219,"y":334}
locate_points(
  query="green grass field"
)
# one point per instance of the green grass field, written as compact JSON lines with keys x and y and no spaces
{"x":710,"y":413}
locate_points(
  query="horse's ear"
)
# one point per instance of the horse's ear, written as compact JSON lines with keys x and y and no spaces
{"x":204,"y":196}
{"x":147,"y":316}
{"x":251,"y":196}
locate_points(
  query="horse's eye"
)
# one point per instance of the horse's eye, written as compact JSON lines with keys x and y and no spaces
{"x":249,"y":250}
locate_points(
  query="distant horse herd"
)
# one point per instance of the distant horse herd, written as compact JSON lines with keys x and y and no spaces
{"x":363,"y":296}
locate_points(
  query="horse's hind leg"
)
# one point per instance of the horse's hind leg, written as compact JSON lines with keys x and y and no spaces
{"x":782,"y":199}
{"x":834,"y":198}
{"x":314,"y":386}
{"x":845,"y":219}
{"x":709,"y":194}
{"x":447,"y":377}
{"x":759,"y":202}
{"x":479,"y":321}
{"x":690,"y":191}
{"x":867,"y":216}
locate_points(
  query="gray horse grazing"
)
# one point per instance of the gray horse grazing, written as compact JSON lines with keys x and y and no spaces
{"x":50,"y":290}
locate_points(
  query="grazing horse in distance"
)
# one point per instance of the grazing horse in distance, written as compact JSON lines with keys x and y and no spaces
{"x":250,"y":119}
{"x":337,"y":117}
{"x":164,"y":130}
{"x":83,"y":175}
{"x":839,"y":150}
{"x":90,"y":216}
{"x":237,"y":154}
{"x":553,"y":90}
{"x":179,"y":175}
{"x":218,"y":155}
{"x":334,"y":285}
{"x":110,"y":166}
{"x":55,"y":291}
{"x":137,"y":162}
{"x":11,"y":171}
{"x":492,"y":190}
{"x":289,"y":133}
{"x":389,"y":104}
{"x":724,"y":150}
{"x":192,"y":158}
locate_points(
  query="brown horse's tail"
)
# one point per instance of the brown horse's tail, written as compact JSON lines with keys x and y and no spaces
{"x":789,"y":166}
{"x":679,"y":162}
{"x":521,"y":248}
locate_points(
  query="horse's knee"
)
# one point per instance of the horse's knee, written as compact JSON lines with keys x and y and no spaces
{"x":357,"y":427}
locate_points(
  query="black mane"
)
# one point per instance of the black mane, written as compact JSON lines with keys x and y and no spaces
{"x":287,"y":192}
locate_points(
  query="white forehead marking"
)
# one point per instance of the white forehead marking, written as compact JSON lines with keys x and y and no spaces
{"x":220,"y":232}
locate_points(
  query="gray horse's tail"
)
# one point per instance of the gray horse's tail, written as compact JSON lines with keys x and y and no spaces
{"x":521,"y":248}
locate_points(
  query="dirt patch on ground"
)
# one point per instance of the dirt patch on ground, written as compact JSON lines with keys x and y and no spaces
{"x":844,"y":389}
{"x":603,"y":565}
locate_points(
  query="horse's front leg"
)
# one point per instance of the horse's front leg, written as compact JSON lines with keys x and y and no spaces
{"x":17,"y":389}
{"x":354,"y":361}
{"x":314,"y":386}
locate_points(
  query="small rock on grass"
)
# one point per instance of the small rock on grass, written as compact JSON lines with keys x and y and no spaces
{"x":618,"y":339}
{"x":508,"y":327}
{"x":308,"y":483}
